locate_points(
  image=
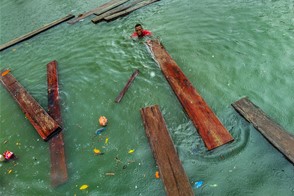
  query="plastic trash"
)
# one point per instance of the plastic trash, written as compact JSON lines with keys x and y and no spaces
{"x":8,"y":155}
{"x":100,"y":130}
{"x":198,"y":184}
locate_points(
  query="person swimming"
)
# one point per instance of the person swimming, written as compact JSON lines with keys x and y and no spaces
{"x":140,"y":32}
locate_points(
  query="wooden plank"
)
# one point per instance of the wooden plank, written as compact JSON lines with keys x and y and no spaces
{"x":213,"y":133}
{"x":272,"y":131}
{"x":129,"y":10}
{"x":44,"y":124}
{"x":120,"y":8}
{"x":35,"y":32}
{"x":56,"y":145}
{"x":171,"y":170}
{"x":124,"y":90}
{"x":99,"y":10}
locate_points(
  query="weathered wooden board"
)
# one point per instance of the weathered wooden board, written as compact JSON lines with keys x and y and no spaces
{"x":171,"y":170}
{"x":124,"y":90}
{"x":56,"y":145}
{"x":129,"y":10}
{"x":213,"y":133}
{"x":120,"y":8}
{"x":272,"y":131}
{"x":35,"y":32}
{"x":99,"y":10}
{"x":44,"y":124}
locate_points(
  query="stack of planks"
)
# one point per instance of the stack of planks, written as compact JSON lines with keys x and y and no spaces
{"x":121,"y":10}
{"x":112,"y":10}
{"x":99,"y":10}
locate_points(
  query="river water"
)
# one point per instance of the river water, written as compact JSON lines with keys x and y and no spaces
{"x":228,"y":49}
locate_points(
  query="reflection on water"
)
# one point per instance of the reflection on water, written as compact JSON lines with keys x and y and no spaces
{"x":227,"y":49}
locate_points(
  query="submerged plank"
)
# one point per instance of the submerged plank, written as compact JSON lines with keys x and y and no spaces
{"x":99,"y":10}
{"x":120,"y":8}
{"x":213,"y":133}
{"x":272,"y":131}
{"x":35,"y":32}
{"x":124,"y":90}
{"x":171,"y":170}
{"x":129,"y":10}
{"x":56,"y":145}
{"x":44,"y":124}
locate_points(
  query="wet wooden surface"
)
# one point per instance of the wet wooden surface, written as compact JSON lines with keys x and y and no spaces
{"x":99,"y":10}
{"x":56,"y":144}
{"x":44,"y":124}
{"x":35,"y":32}
{"x":170,"y":167}
{"x":124,"y":90}
{"x":120,"y":8}
{"x":129,"y":10}
{"x":212,"y":131}
{"x":272,"y":131}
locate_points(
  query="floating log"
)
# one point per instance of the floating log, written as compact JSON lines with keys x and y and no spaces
{"x":213,"y":133}
{"x":122,"y":93}
{"x":35,"y":32}
{"x":171,"y":170}
{"x":120,"y":8}
{"x":99,"y":10}
{"x":56,"y":144}
{"x":272,"y":131}
{"x":129,"y":10}
{"x":44,"y":124}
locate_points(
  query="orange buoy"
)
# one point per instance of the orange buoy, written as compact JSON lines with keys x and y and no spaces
{"x":103,"y":121}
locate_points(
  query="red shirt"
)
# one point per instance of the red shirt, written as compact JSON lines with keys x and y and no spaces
{"x":144,"y":33}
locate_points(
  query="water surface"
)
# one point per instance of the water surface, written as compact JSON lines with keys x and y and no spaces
{"x":228,"y":49}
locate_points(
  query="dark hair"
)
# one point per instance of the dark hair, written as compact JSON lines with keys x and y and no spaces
{"x":138,"y":25}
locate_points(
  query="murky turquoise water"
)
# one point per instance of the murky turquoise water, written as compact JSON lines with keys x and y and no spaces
{"x":228,"y":49}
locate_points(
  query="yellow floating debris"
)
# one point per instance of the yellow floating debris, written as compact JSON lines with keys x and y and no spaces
{"x":131,"y":151}
{"x":83,"y":187}
{"x":96,"y":151}
{"x":5,"y":72}
{"x":157,"y":174}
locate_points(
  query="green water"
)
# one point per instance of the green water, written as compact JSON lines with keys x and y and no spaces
{"x":228,"y":49}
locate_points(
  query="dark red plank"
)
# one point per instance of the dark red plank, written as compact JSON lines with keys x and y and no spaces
{"x":124,"y":90}
{"x":35,"y":32}
{"x":272,"y":131}
{"x":44,"y":124}
{"x":56,"y":145}
{"x":213,"y":133}
{"x":171,"y":170}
